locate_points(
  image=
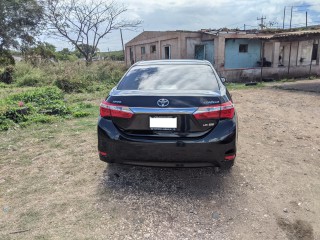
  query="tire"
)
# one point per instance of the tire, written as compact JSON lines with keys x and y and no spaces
{"x":227,"y":165}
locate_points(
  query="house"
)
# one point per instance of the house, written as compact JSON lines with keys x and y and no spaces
{"x":151,"y":45}
{"x":236,"y":55}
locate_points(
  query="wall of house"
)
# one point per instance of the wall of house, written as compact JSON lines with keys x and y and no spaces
{"x":174,"y":48}
{"x":236,"y":59}
{"x":209,"y":48}
{"x":268,"y":51}
{"x":254,"y":74}
{"x":301,"y":53}
{"x":182,"y":46}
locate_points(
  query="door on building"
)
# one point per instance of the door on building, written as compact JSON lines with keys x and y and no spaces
{"x":315,"y":51}
{"x":167,"y":52}
{"x":131,"y":56}
{"x":199,"y":52}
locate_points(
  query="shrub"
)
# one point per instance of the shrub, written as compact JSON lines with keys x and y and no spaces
{"x":80,"y":114}
{"x":27,"y":75}
{"x":38,"y":95}
{"x":29,"y":80}
{"x":39,"y":118}
{"x":5,"y":123}
{"x":7,"y":74}
{"x":16,"y":113}
{"x":55,"y":107}
{"x":71,"y":85}
{"x":39,"y":105}
{"x":6,"y":58}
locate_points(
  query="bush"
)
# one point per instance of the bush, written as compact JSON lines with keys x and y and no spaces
{"x":80,"y":114}
{"x":39,"y":105}
{"x":27,"y":75}
{"x":69,"y":76}
{"x":71,"y":85}
{"x":5,"y":123}
{"x":29,"y":80}
{"x":39,"y":95}
{"x":55,"y":107}
{"x":6,"y":58}
{"x":7,"y":75}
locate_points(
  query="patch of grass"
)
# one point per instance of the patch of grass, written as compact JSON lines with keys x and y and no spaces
{"x":41,"y":105}
{"x":288,"y":80}
{"x":240,"y":86}
{"x":69,"y":76}
{"x":80,"y":114}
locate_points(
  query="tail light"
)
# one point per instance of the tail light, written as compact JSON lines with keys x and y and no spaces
{"x":219,"y":111}
{"x":103,"y":153}
{"x":230,"y":157}
{"x":114,"y":110}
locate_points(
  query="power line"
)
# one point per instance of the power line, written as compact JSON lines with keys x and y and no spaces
{"x":261,"y":19}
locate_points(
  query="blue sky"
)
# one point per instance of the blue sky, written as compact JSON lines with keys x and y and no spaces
{"x":198,"y":14}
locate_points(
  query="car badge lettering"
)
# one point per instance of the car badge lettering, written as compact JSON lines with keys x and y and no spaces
{"x":163,"y":102}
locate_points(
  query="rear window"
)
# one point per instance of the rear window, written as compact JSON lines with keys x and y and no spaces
{"x":170,"y":77}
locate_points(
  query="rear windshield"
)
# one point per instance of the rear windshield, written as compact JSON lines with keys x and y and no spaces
{"x":170,"y":77}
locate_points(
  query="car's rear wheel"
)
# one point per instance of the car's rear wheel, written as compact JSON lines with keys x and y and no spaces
{"x":227,"y":165}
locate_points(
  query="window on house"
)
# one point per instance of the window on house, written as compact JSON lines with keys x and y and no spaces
{"x":153,"y":48}
{"x":315,"y":52}
{"x":243,"y":48}
{"x":143,"y":50}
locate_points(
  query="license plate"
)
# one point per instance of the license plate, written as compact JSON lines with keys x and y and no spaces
{"x":163,"y":122}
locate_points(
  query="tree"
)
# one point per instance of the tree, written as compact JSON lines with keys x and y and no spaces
{"x":19,"y":22}
{"x":86,"y":22}
{"x":87,"y":49}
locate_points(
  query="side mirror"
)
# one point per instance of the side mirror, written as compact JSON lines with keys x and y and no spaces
{"x":223,"y":79}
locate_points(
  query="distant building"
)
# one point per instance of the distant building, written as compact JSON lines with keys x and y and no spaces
{"x":236,"y":55}
{"x":17,"y":58}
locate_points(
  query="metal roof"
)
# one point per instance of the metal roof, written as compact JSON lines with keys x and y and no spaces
{"x":173,"y":61}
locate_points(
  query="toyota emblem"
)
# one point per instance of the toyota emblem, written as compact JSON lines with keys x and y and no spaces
{"x":163,"y":102}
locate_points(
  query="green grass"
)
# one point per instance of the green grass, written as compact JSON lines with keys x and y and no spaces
{"x":53,"y":92}
{"x":241,"y":86}
{"x":45,"y":105}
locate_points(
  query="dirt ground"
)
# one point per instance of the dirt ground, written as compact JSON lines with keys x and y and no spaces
{"x":53,"y":186}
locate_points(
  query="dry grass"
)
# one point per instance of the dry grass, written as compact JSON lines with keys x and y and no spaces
{"x":48,"y":180}
{"x":53,"y":186}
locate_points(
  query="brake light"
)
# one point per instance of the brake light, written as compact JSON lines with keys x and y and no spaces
{"x":114,"y":110}
{"x":230,"y":157}
{"x":219,"y":111}
{"x":103,"y":153}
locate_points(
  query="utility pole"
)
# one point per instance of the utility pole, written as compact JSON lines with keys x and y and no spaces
{"x":244,"y":27}
{"x":261,"y":19}
{"x":306,"y":19}
{"x":122,"y":41}
{"x":291,"y":16}
{"x":284,"y":16}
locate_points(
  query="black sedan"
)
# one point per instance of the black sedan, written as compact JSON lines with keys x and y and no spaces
{"x":169,"y":113}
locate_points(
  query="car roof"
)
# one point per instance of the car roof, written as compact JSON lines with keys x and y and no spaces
{"x":170,"y":62}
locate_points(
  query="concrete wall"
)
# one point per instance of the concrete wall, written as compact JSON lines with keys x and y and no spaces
{"x":182,"y":46}
{"x":268,"y":51}
{"x":236,"y":59}
{"x":254,"y":74}
{"x":174,"y":48}
{"x":209,"y":48}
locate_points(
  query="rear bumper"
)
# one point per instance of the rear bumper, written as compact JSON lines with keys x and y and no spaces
{"x":209,"y":150}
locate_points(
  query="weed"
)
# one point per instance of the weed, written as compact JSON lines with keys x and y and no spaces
{"x":39,"y":105}
{"x":80,"y":114}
